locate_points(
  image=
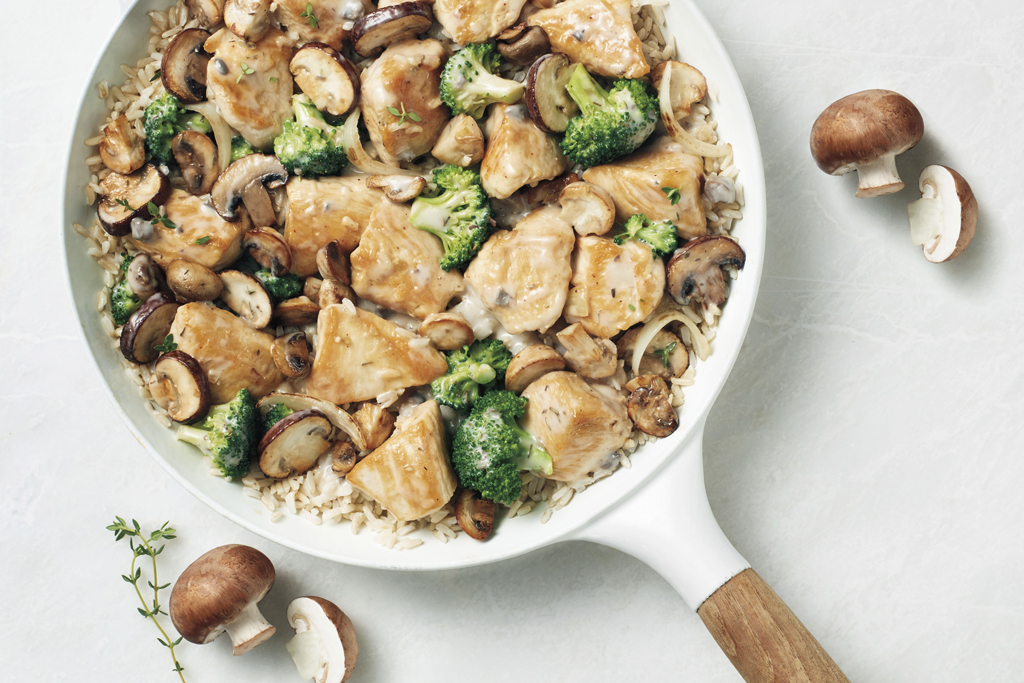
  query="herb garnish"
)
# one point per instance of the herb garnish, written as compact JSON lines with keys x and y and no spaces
{"x":403,"y":115}
{"x":273,"y":79}
{"x":156,"y":75}
{"x":202,"y":240}
{"x":246,"y":71}
{"x":308,"y":14}
{"x":631,"y":307}
{"x":673,"y":195}
{"x":154,"y":213}
{"x":167,"y":345}
{"x":124,"y":203}
{"x":664,"y":353}
{"x":144,"y":546}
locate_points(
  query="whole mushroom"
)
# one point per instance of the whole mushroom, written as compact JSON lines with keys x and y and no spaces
{"x":944,"y":219}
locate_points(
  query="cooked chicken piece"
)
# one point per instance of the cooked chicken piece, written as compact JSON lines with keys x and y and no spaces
{"x":522,"y":275}
{"x":613,"y":287}
{"x":251,"y":84}
{"x":597,"y":33}
{"x":635,"y":182}
{"x":461,"y":142}
{"x":331,"y":19}
{"x":360,"y":356}
{"x":580,"y":425}
{"x":409,"y":475}
{"x":397,"y":266}
{"x":324,"y":210}
{"x":375,"y":423}
{"x":194,"y":220}
{"x":474,"y":21}
{"x":518,"y":152}
{"x":233,"y":355}
{"x":407,"y":77}
{"x":590,"y":358}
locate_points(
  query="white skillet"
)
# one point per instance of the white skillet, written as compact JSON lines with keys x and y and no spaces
{"x":663,"y":520}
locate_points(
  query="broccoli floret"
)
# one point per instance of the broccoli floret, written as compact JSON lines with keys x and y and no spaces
{"x":661,"y":237}
{"x":228,"y":434}
{"x":472,"y":370}
{"x":612,"y":122}
{"x":491,"y":449}
{"x":309,"y":146}
{"x":460,"y":215}
{"x":468,"y":83}
{"x":163,"y":119}
{"x":123,"y":302}
{"x":276,"y":413}
{"x":281,"y":288}
{"x":240,"y":147}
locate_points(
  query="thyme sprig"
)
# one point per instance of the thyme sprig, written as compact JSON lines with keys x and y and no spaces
{"x":403,"y":115}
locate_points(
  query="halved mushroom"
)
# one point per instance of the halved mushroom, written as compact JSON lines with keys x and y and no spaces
{"x":521,"y":44}
{"x":192,"y":281}
{"x":179,"y":386}
{"x":244,"y":295}
{"x":589,"y":209}
{"x":183,"y":68}
{"x":398,"y":188}
{"x":338,"y":417}
{"x":248,"y":19}
{"x":586,"y":356}
{"x":311,"y":287}
{"x":678,"y":83}
{"x":297,"y":312}
{"x":295,"y":443}
{"x":389,"y":25}
{"x":943,"y":221}
{"x":650,"y":406}
{"x":547,"y":99}
{"x":137,"y":190}
{"x":246,"y":182}
{"x":695,"y":269}
{"x":330,"y":80}
{"x":121,"y":148}
{"x":332,"y":263}
{"x":324,"y":647}
{"x":447,"y":330}
{"x":196,"y":154}
{"x":269,"y":250}
{"x":148,"y":327}
{"x":461,"y":143}
{"x":291,"y":355}
{"x":209,"y":13}
{"x":548,"y":191}
{"x":332,"y":292}
{"x":474,"y":514}
{"x":531,"y":364}
{"x":344,"y":457}
{"x":144,"y":277}
{"x":665,"y":355}
{"x":376,"y":424}
{"x":688,"y":86}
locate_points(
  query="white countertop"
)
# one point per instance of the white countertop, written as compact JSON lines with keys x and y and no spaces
{"x":864,"y":456}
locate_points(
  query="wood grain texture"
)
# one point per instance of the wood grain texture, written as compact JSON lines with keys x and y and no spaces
{"x":762,"y":637}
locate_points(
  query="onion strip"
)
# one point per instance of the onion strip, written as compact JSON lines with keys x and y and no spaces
{"x":655,"y":325}
{"x":690,"y":144}
{"x":357,"y":155}
{"x":221,"y":130}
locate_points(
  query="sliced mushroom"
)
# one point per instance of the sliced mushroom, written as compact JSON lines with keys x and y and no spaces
{"x":196,"y":154}
{"x":344,"y":457}
{"x":244,"y":295}
{"x":183,"y":68}
{"x":148,"y":327}
{"x":376,"y":424}
{"x":269,"y":250}
{"x":333,"y":264}
{"x":146,"y":185}
{"x":338,"y":417}
{"x":695,"y":269}
{"x":209,"y":13}
{"x":943,"y":221}
{"x":331,"y":292}
{"x":144,"y":277}
{"x":521,"y":45}
{"x":474,"y":514}
{"x":398,"y":188}
{"x":121,"y":148}
{"x":548,"y":191}
{"x":531,"y":364}
{"x":297,"y":312}
{"x":291,"y":355}
{"x":547,"y":99}
{"x":650,"y":406}
{"x":586,"y":356}
{"x":330,"y":80}
{"x":248,"y":19}
{"x":687,"y":87}
{"x":665,"y":355}
{"x":311,"y":287}
{"x":389,"y":25}
{"x":246,"y":182}
{"x":192,"y":281}
{"x":589,"y":209}
{"x":324,"y":647}
{"x":447,"y":330}
{"x":461,"y":143}
{"x":295,"y":443}
{"x":179,"y":386}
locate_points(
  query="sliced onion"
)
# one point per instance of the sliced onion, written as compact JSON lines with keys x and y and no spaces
{"x":653,"y":326}
{"x":690,"y":144}
{"x":221,"y":130}
{"x":358,"y":157}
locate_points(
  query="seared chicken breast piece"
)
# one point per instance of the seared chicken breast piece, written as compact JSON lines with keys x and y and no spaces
{"x":255,"y":99}
{"x":410,"y":474}
{"x":331,"y":23}
{"x":522,"y":276}
{"x":597,"y":33}
{"x":518,"y":152}
{"x":233,"y":355}
{"x":323,"y":210}
{"x":474,"y":21}
{"x":580,"y":425}
{"x":406,"y":77}
{"x":360,"y":356}
{"x":635,"y":183}
{"x":193,"y":220}
{"x":613,"y":287}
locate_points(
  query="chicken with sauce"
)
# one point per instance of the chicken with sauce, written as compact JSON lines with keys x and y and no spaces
{"x":474,"y":21}
{"x":597,"y":33}
{"x":518,"y":152}
{"x":331,"y":23}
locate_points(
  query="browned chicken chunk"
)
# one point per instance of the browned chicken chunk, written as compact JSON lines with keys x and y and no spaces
{"x":319,"y":21}
{"x":474,"y":21}
{"x":518,"y":152}
{"x":597,"y":33}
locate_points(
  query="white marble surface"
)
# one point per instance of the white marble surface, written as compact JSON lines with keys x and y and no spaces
{"x":865,"y":455}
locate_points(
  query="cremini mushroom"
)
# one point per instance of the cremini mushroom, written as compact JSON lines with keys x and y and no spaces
{"x":389,"y":25}
{"x":650,"y":406}
{"x":246,"y":182}
{"x":548,"y":191}
{"x":589,"y":209}
{"x":474,"y":514}
{"x":121,"y":148}
{"x":530,"y":364}
{"x":192,"y":281}
{"x":461,"y":142}
{"x":291,"y":355}
{"x":338,"y":417}
{"x":522,"y":44}
{"x":687,"y":87}
{"x":143,"y":276}
{"x":695,"y":269}
{"x":865,"y":132}
{"x":665,"y":355}
{"x":183,"y":67}
{"x":332,"y":292}
{"x":248,"y":19}
{"x":333,"y":264}
{"x":344,"y":457}
{"x":268,"y":248}
{"x":178,"y":384}
{"x":137,"y":190}
{"x":244,"y":295}
{"x":311,"y":287}
{"x":943,"y":221}
{"x":324,"y":648}
{"x":297,"y":312}
{"x":448,"y":330}
{"x":330,"y":80}
{"x":208,"y":13}
{"x":219,"y":592}
{"x":148,"y":327}
{"x":398,"y":188}
{"x":295,"y":443}
{"x":196,"y":154}
{"x":376,"y":424}
{"x":586,"y":356}
{"x":547,"y":100}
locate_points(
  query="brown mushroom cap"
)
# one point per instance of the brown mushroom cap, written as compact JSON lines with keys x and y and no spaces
{"x":324,"y":647}
{"x":375,"y":423}
{"x":548,"y":191}
{"x":246,"y":181}
{"x":268,"y":248}
{"x":297,"y":312}
{"x":531,"y":364}
{"x":143,"y":276}
{"x":672,"y":361}
{"x":196,"y":154}
{"x":218,"y":592}
{"x":688,"y":86}
{"x":398,"y":188}
{"x":344,"y":457}
{"x":547,"y":100}
{"x":521,"y":44}
{"x":209,"y":13}
{"x":695,"y":269}
{"x":146,"y":185}
{"x":589,"y":209}
{"x":121,"y":148}
{"x":474,"y":514}
{"x":192,"y":281}
{"x":295,"y":443}
{"x":291,"y":355}
{"x":246,"y":296}
{"x":248,"y":19}
{"x":447,"y":330}
{"x":865,"y":132}
{"x":388,"y":25}
{"x":183,"y":67}
{"x":650,"y":406}
{"x":148,"y":327}
{"x":944,"y":220}
{"x":338,"y":417}
{"x":179,"y":386}
{"x":333,"y":264}
{"x":586,"y":356}
{"x":330,"y":80}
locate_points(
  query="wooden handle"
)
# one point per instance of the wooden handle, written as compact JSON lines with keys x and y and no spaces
{"x":762,"y":637}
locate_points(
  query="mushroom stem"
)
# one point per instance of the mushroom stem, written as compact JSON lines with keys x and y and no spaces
{"x":248,"y":629}
{"x":878,"y":177}
{"x":926,"y":218}
{"x":307,"y":652}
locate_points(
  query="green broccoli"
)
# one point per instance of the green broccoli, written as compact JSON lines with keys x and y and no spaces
{"x":472,"y":370}
{"x":468,"y":83}
{"x":460,"y":215}
{"x":163,"y":119}
{"x":661,"y":237}
{"x":240,"y":147}
{"x":309,"y":146}
{"x":280,"y":288}
{"x":612,"y":123}
{"x":276,"y":413}
{"x":491,"y":449}
{"x":123,"y":301}
{"x":229,"y":434}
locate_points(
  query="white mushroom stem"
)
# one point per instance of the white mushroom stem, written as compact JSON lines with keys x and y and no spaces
{"x":247,"y":630}
{"x":878,"y":177}
{"x":308,"y":653}
{"x":926,"y":217}
{"x":690,"y":144}
{"x":221,"y":131}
